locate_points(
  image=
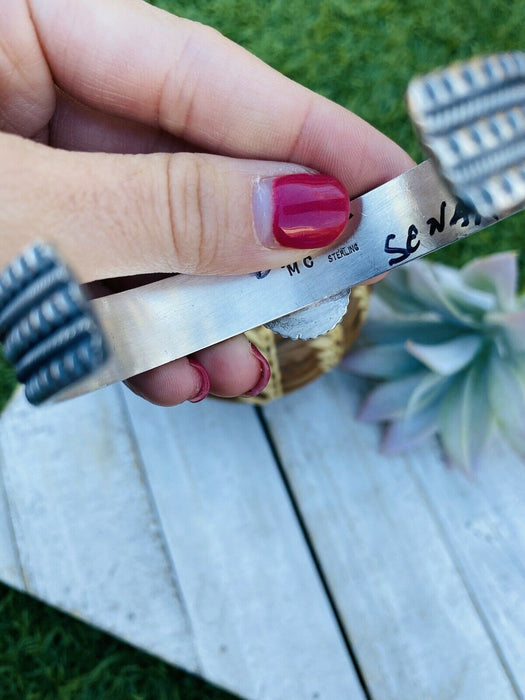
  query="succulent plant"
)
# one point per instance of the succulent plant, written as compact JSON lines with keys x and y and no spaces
{"x":446,"y":348}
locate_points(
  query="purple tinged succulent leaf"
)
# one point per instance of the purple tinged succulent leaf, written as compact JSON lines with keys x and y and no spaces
{"x":465,"y":418}
{"x":410,"y":431}
{"x":496,"y":273}
{"x":506,"y":382}
{"x":388,"y":401}
{"x":449,"y":357}
{"x":381,"y":361}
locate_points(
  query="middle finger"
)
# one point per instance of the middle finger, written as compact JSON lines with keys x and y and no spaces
{"x":77,"y":127}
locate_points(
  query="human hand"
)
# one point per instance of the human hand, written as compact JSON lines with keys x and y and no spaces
{"x":139,"y":142}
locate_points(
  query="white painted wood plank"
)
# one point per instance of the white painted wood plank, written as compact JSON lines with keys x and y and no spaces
{"x":10,"y":571}
{"x":87,"y":537}
{"x":414,"y":628}
{"x":483,"y":520}
{"x":261,"y":620}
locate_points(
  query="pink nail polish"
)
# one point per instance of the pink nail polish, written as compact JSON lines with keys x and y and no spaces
{"x":265,"y":375}
{"x":205,"y":382}
{"x":308,"y":210}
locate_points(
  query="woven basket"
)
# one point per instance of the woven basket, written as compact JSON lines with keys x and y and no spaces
{"x":294,"y":363}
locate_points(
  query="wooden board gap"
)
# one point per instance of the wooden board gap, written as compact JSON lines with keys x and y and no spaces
{"x":309,"y":544}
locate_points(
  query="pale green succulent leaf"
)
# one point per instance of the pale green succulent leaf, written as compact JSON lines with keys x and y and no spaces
{"x":465,"y":417}
{"x":394,"y":291}
{"x":400,"y":330}
{"x":466,"y":297}
{"x":449,"y":357}
{"x":511,"y":325}
{"x":388,"y":401}
{"x":427,"y":288}
{"x":381,"y":361}
{"x":473,"y":302}
{"x":519,"y":360}
{"x":429,"y":391}
{"x":445,"y":275}
{"x":506,"y":382}
{"x":410,"y":430}
{"x":496,"y":273}
{"x":450,"y":323}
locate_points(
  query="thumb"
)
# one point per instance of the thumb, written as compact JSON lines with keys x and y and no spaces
{"x":114,"y":215}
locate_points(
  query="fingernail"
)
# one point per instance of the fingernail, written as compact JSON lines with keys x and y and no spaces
{"x":300,"y":210}
{"x":204,"y":389}
{"x":265,"y":375}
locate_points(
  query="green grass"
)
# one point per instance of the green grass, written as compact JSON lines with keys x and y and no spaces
{"x":45,"y":655}
{"x":7,"y":380}
{"x":360,"y":53}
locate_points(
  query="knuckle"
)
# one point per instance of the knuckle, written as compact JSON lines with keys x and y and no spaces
{"x":193,"y":221}
{"x":203,"y":32}
{"x":26,"y":87}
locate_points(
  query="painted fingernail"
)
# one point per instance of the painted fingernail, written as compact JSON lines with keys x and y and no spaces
{"x":204,"y":389}
{"x":265,"y":375}
{"x":300,"y":210}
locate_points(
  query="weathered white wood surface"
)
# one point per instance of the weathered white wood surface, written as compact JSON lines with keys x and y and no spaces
{"x":10,"y":571}
{"x":409,"y":613}
{"x":483,"y":523}
{"x":173,"y":529}
{"x":179,"y":538}
{"x":86,"y":534}
{"x":257,"y":608}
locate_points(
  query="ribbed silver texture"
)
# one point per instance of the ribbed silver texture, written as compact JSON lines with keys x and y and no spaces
{"x":471,"y":118}
{"x":46,"y":326}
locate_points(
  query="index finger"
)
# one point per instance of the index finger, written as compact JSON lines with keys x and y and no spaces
{"x":139,"y":62}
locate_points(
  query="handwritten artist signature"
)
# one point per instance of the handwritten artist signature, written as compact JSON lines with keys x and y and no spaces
{"x":462,"y":213}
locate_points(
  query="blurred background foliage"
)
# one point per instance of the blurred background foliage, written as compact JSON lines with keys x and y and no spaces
{"x":361,"y":54}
